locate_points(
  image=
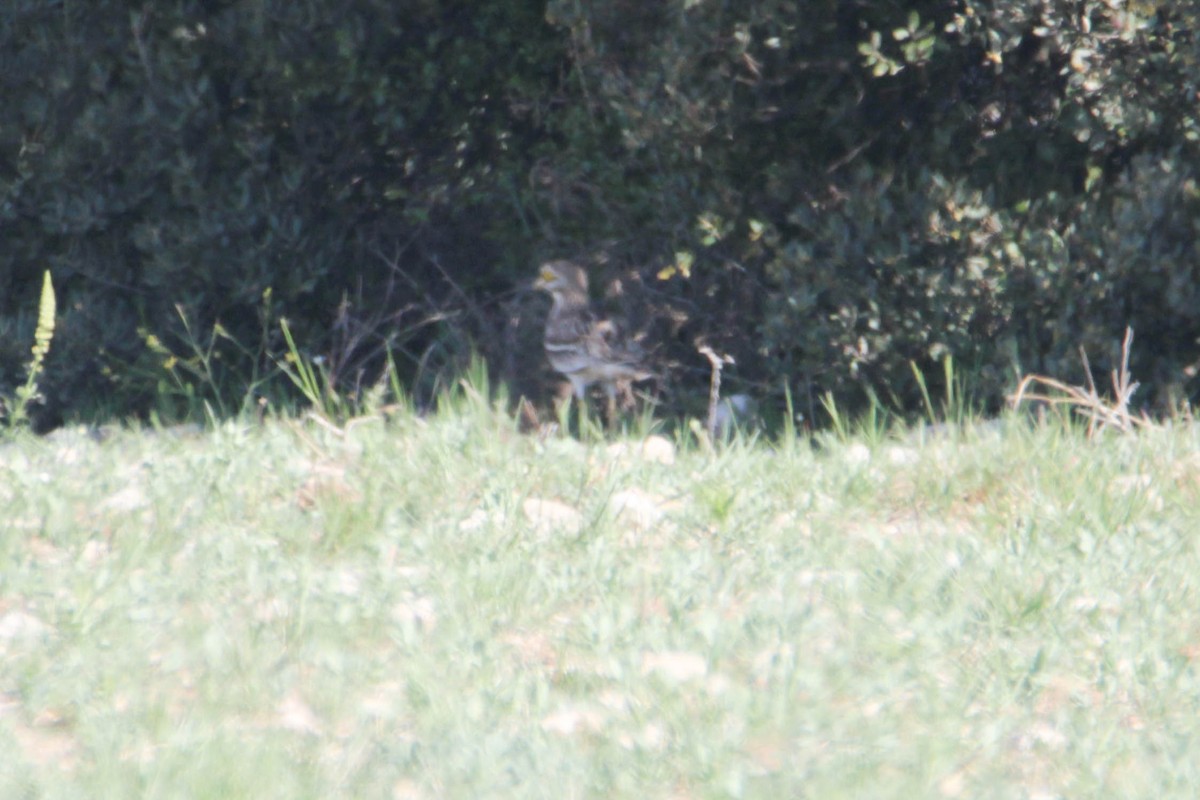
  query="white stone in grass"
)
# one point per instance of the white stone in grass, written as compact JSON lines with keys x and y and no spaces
{"x":637,"y":508}
{"x":1043,"y":793}
{"x":1042,"y":734}
{"x":658,"y":450}
{"x":45,"y":742}
{"x":346,"y":582}
{"x":407,"y":789}
{"x":552,"y":517}
{"x":19,"y":625}
{"x":902,"y":456}
{"x":953,"y":785}
{"x":616,"y":701}
{"x":675,"y":665}
{"x":571,"y":718}
{"x":474,"y":521}
{"x":94,"y":551}
{"x":652,"y":736}
{"x":563,"y":449}
{"x":858,"y":454}
{"x":295,"y":715}
{"x":654,"y":449}
{"x":131,"y":498}
{"x":1130,"y":484}
{"x":416,"y":612}
{"x":383,"y":701}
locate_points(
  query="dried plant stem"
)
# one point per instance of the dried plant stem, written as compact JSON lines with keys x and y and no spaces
{"x":714,"y":387}
{"x":1087,"y":401}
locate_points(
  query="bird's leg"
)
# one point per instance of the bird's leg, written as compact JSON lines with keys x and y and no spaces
{"x":610,"y":394}
{"x":581,"y":402}
{"x":624,"y":390}
{"x":562,"y":407}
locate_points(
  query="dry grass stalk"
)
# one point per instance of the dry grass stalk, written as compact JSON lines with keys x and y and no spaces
{"x":714,"y":386}
{"x":1101,"y":414}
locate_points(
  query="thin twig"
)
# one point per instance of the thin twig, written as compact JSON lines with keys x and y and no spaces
{"x":714,"y":387}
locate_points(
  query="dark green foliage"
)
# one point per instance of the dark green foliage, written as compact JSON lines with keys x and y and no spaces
{"x":176,"y":160}
{"x":904,"y":181}
{"x":827,"y":190}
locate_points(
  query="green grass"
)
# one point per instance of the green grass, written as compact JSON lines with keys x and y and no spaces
{"x":441,"y":607}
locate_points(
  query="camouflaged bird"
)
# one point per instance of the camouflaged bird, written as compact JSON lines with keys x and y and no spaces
{"x":585,"y":349}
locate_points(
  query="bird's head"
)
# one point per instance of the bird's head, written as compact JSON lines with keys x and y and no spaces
{"x":562,"y":277}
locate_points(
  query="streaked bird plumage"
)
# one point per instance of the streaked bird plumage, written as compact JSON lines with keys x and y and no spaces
{"x":583,"y":348}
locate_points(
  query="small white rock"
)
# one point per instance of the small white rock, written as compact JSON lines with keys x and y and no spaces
{"x":19,"y":625}
{"x":858,"y":454}
{"x":637,"y":508}
{"x":902,"y":456}
{"x":658,"y":450}
{"x":675,"y":665}
{"x":552,"y":517}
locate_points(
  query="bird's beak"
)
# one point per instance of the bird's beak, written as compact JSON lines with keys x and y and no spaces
{"x":544,"y":278}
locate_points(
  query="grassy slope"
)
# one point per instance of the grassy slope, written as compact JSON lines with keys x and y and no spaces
{"x":283,"y":612}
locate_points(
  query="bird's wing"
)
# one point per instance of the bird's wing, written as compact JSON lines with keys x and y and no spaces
{"x":605,"y":343}
{"x":597,"y":341}
{"x":572,"y":329}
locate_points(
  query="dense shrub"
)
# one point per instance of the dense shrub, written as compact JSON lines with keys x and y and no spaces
{"x":827,"y":191}
{"x":901,"y":182}
{"x":171,"y":163}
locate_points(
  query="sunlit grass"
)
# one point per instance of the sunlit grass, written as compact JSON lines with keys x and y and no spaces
{"x":444,"y":607}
